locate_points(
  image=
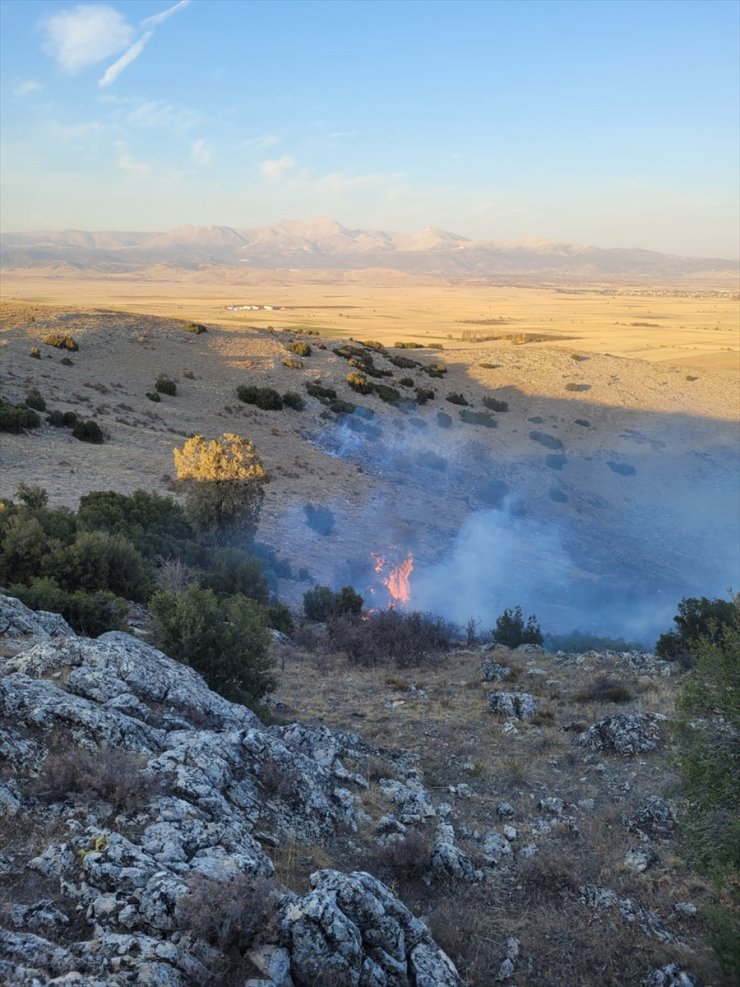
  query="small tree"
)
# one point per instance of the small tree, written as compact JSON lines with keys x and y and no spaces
{"x":512,"y":631}
{"x":223,"y":481}
{"x":697,"y":618}
{"x":225,"y":639}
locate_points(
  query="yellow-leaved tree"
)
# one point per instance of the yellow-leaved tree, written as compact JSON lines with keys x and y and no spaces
{"x":223,"y":480}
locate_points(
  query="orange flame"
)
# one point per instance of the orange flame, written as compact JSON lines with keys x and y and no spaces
{"x":397,"y":582}
{"x":396,"y":577}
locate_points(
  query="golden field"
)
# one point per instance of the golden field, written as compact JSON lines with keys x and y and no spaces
{"x":694,"y":328}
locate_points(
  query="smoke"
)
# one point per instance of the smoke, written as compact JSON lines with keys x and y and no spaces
{"x":606,"y":536}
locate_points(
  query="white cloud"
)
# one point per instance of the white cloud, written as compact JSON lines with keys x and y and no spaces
{"x":200,"y":152}
{"x":158,"y":113}
{"x":85,"y":35}
{"x":264,"y":140}
{"x":127,"y":162}
{"x":74,"y":131}
{"x":275,"y":168}
{"x":158,"y":18}
{"x":131,"y":54}
{"x":26,"y":87}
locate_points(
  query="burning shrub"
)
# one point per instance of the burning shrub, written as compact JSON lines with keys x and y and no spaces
{"x":512,"y":631}
{"x":391,"y":635}
{"x":320,"y":603}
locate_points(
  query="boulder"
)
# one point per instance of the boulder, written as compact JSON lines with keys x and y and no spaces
{"x":624,"y":733}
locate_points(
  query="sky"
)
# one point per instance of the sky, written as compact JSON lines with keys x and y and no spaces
{"x":587,"y":121}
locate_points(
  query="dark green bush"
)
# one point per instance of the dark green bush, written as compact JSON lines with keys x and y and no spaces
{"x":300,"y":347}
{"x":88,"y":431}
{"x":195,"y":327}
{"x":403,"y":362}
{"x":163,"y":385}
{"x":224,"y":639}
{"x":406,"y":382}
{"x":90,"y":614}
{"x":280,"y":618}
{"x":511,"y":630}
{"x":66,"y":362}
{"x":293,"y":400}
{"x":697,"y":618}
{"x":233,"y":571}
{"x":62,"y":341}
{"x":320,"y":603}
{"x":323,"y":394}
{"x":70,"y":419}
{"x":266,"y":398}
{"x":55,"y":418}
{"x":424,"y":394}
{"x":35,"y":400}
{"x":16,"y":418}
{"x":495,"y":405}
{"x":341,"y":407}
{"x":455,"y":397}
{"x":484,"y":418}
{"x":388,"y":394}
{"x":153,"y":396}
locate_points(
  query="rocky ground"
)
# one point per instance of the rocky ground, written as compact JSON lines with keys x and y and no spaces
{"x":154,"y":833}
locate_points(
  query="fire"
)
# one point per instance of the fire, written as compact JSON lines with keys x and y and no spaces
{"x":396,"y":581}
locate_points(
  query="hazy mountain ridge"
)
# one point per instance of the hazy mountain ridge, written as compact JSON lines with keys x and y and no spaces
{"x":324,"y":243}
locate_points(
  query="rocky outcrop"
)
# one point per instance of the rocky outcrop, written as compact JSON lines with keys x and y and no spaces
{"x":625,"y":733}
{"x":136,"y":793}
{"x":513,"y":705}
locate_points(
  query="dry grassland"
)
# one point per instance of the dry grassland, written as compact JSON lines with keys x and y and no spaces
{"x":693,"y":328}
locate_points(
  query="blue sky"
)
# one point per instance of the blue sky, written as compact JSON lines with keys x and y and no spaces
{"x":613,"y":123}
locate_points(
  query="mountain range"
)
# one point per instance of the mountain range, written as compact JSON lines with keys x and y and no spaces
{"x":322,"y":243}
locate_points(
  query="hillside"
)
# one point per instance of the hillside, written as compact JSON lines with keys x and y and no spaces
{"x":324,"y":244}
{"x":606,"y":491}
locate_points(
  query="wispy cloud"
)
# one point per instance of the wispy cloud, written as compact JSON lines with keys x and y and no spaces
{"x":339,"y":181}
{"x":130,"y":55}
{"x":275,"y":168}
{"x":160,"y":114}
{"x":200,"y":152}
{"x":26,"y":87}
{"x":158,"y":18}
{"x":85,"y":35}
{"x":343,"y":133}
{"x":127,"y":162}
{"x":74,"y":131}
{"x":263,"y":141}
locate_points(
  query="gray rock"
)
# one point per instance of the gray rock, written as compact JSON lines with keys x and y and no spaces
{"x":449,"y":860}
{"x":639,"y":858}
{"x":625,"y":733}
{"x":654,"y":818}
{"x":505,"y":810}
{"x":513,"y":705}
{"x":18,"y":621}
{"x":670,"y":976}
{"x":274,"y":962}
{"x":497,"y":850}
{"x":685,"y":909}
{"x":646,"y":919}
{"x":491,"y":671}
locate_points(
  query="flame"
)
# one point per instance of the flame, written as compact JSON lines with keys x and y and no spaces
{"x":395,"y":578}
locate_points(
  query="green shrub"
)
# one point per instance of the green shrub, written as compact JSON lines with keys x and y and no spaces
{"x":403,"y":362}
{"x":388,"y":394}
{"x":98,"y":560}
{"x":697,"y":618}
{"x":196,"y":328}
{"x":153,"y":396}
{"x":484,"y":418}
{"x":706,"y":755}
{"x":320,"y":603}
{"x":292,"y":363}
{"x":233,"y":571}
{"x":35,"y":353}
{"x":70,"y":419}
{"x":16,"y":418}
{"x":493,"y":404}
{"x":341,"y":407}
{"x":62,"y":341}
{"x":435,"y":370}
{"x":455,"y":397}
{"x":66,"y":362}
{"x":424,"y":394}
{"x":280,"y":618}
{"x":225,"y":640}
{"x":323,"y":394}
{"x":293,"y":400}
{"x":163,"y":385}
{"x":55,"y":418}
{"x":406,"y":382}
{"x":359,"y":382}
{"x":300,"y":347}
{"x":266,"y":398}
{"x":90,"y":614}
{"x":35,"y":400}
{"x":88,"y":431}
{"x":511,"y":630}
